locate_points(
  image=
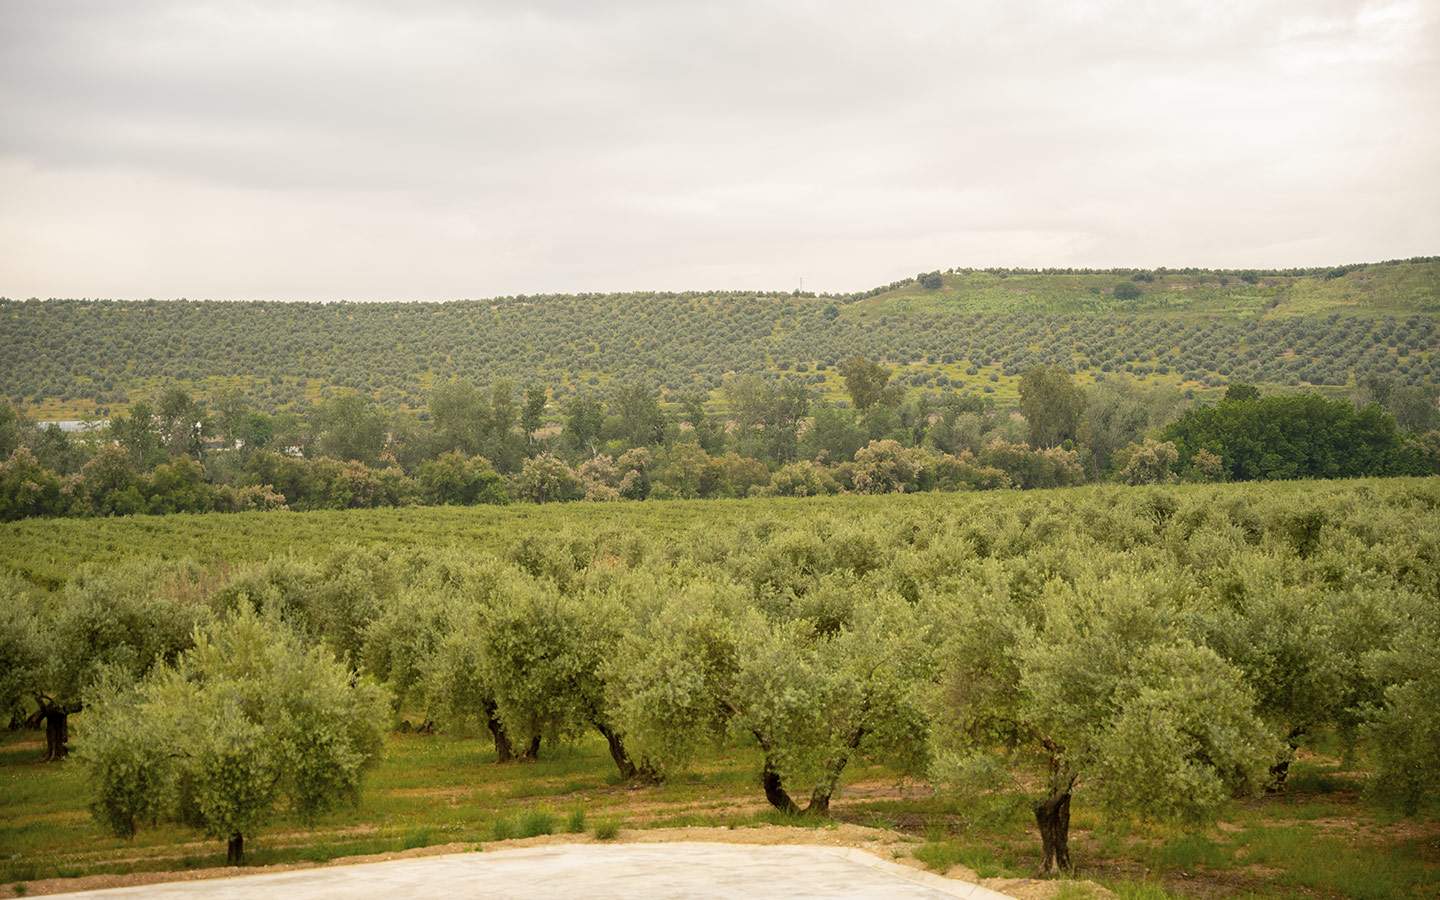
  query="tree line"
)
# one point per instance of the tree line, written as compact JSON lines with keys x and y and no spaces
{"x":771,"y":437}
{"x":1151,"y":654}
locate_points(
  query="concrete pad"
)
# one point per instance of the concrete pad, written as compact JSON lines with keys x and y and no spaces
{"x":577,"y":871}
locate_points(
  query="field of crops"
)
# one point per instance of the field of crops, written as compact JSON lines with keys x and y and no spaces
{"x":1234,"y":683}
{"x":981,"y":329}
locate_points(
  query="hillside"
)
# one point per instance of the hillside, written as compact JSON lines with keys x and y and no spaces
{"x":1197,"y":329}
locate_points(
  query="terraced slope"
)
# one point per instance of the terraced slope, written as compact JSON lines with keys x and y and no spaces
{"x":1196,"y":329}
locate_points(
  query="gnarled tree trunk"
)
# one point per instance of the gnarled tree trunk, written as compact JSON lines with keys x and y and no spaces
{"x":532,"y":750}
{"x":235,"y":850}
{"x":1052,"y":815}
{"x":1281,"y":770}
{"x":504,"y":750}
{"x":775,"y":791}
{"x":57,"y":734}
{"x":617,"y":751}
{"x":820,"y":796}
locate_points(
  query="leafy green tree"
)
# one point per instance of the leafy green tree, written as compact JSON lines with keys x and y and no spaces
{"x":832,"y":435}
{"x":768,"y":415}
{"x":802,"y":479}
{"x":461,"y":416}
{"x":21,"y":650}
{"x":811,"y":700}
{"x":637,"y":420}
{"x":239,"y":424}
{"x":1148,"y":462}
{"x":178,"y":486}
{"x":1127,"y":290}
{"x":1295,"y":436}
{"x":533,"y":414}
{"x":427,"y":645}
{"x":113,"y":623}
{"x":109,"y":484}
{"x":546,"y":479}
{"x":1053,"y":405}
{"x":885,"y":467}
{"x":584,"y":421}
{"x":708,"y":433}
{"x":1416,"y":407}
{"x":27,"y":488}
{"x":351,"y":427}
{"x":1239,"y":392}
{"x":867,"y":382}
{"x":1115,"y":416}
{"x":1302,"y":649}
{"x":544,"y":653}
{"x":246,"y":720}
{"x":13,"y":428}
{"x":56,"y":451}
{"x":182,"y":422}
{"x":1404,"y":728}
{"x":1030,"y":468}
{"x":1093,"y":685}
{"x":136,"y":433}
{"x":454,"y":478}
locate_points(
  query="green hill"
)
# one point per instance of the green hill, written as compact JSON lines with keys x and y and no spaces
{"x":1197,"y":329}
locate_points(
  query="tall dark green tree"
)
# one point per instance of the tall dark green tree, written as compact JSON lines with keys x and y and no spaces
{"x":1053,"y":405}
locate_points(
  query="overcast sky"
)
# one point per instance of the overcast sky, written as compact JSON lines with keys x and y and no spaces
{"x":386,"y":150}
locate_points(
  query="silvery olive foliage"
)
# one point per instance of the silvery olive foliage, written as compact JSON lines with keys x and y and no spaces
{"x":1404,"y":727}
{"x":20,"y":653}
{"x":1091,"y":686}
{"x":245,"y":723}
{"x":1147,"y":653}
{"x":811,"y":698}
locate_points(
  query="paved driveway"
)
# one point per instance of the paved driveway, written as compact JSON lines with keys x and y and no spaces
{"x":580,"y":871}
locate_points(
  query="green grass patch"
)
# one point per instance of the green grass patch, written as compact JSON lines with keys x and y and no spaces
{"x":1189,"y":851}
{"x":535,"y":822}
{"x":607,"y":830}
{"x":941,"y":856}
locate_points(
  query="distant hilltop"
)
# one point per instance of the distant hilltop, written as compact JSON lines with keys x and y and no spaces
{"x":1198,"y":329}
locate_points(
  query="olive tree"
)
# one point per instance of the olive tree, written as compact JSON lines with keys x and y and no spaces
{"x":104,"y":623}
{"x":543,"y":653}
{"x":426,"y":644}
{"x":1090,"y":684}
{"x":812,"y":699}
{"x":1302,"y":648}
{"x":245,"y":721}
{"x":1404,"y":729}
{"x":20,"y":653}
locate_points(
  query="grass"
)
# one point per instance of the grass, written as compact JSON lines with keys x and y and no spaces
{"x":536,"y":822}
{"x":446,"y":788}
{"x":941,"y":856}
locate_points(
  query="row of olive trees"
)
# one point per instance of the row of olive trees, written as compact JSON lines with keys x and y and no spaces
{"x":193,"y":713}
{"x":1158,"y":659}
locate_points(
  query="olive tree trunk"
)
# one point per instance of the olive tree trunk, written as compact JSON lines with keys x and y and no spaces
{"x":819,"y":804}
{"x":820,"y":796}
{"x":775,"y":790}
{"x":1052,"y":815}
{"x":1281,"y":770}
{"x":235,"y":850}
{"x":504,"y":750}
{"x":532,"y":750}
{"x":57,"y":734}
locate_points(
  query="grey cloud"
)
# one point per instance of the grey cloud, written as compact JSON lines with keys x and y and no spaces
{"x":370,"y":149}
